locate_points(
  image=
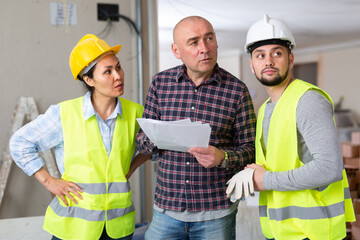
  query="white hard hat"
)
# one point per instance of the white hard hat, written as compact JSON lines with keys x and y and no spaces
{"x":267,"y":29}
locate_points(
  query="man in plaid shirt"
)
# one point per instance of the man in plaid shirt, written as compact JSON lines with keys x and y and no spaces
{"x":190,"y":198}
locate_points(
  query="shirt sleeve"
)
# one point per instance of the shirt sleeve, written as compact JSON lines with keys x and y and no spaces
{"x":151,"y":109}
{"x":41,"y":134}
{"x":244,"y":134}
{"x":316,"y":126}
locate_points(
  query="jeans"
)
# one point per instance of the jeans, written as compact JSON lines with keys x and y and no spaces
{"x":165,"y":227}
{"x":104,"y":236}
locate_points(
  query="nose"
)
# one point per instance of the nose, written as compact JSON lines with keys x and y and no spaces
{"x":269,"y":61}
{"x":203,"y":47}
{"x":117,"y":75}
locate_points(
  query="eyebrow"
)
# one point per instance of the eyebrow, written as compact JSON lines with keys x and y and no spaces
{"x":272,"y":49}
{"x":110,"y":66}
{"x":197,"y":37}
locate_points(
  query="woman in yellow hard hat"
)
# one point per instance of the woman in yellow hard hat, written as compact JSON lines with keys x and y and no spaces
{"x":94,"y":140}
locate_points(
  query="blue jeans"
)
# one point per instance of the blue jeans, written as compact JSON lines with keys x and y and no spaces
{"x":165,"y":227}
{"x":104,"y":236}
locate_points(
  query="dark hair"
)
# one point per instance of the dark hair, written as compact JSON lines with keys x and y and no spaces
{"x":255,"y":45}
{"x":90,"y":74}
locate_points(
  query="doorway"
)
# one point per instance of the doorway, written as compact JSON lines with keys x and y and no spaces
{"x":306,"y":72}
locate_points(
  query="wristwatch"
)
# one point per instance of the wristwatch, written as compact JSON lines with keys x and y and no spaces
{"x":225,"y":162}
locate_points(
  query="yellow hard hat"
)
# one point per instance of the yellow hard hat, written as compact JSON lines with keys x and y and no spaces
{"x":88,"y":49}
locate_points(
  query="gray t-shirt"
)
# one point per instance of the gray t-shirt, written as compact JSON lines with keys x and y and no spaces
{"x":318,"y":147}
{"x":187,"y":216}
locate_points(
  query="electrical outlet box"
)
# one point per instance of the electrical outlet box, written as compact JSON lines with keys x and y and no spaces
{"x":106,"y":11}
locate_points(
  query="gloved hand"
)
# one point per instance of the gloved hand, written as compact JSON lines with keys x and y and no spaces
{"x":241,"y":185}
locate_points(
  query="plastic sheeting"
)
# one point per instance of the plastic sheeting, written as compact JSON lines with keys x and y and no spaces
{"x":248,"y":220}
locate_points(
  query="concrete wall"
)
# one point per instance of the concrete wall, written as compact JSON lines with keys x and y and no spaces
{"x":34,"y":62}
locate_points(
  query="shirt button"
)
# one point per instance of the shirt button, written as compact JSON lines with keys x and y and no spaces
{"x":195,"y":90}
{"x":187,"y":181}
{"x":192,"y":107}
{"x":187,"y":163}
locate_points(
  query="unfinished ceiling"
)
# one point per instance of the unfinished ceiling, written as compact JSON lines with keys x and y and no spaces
{"x":315,"y":24}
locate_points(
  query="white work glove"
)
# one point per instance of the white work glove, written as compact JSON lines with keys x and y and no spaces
{"x":241,"y":185}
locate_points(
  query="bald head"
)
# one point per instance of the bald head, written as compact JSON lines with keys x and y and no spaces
{"x":185,"y":22}
{"x":196,"y":46}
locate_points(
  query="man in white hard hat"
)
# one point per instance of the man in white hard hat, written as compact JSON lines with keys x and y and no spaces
{"x":299,"y":171}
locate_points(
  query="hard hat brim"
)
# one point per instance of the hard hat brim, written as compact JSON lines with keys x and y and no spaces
{"x":115,"y":49}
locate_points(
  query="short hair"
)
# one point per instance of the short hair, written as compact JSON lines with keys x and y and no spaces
{"x":276,"y":41}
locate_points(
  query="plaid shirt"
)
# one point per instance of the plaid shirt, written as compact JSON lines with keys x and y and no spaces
{"x":224,"y":102}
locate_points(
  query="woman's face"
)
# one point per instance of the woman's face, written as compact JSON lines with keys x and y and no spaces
{"x":108,"y":77}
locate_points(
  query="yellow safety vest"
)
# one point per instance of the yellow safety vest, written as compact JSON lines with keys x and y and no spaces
{"x":106,"y":191}
{"x":311,"y":213}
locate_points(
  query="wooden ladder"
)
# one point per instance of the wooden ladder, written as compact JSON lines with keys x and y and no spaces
{"x":25,"y":110}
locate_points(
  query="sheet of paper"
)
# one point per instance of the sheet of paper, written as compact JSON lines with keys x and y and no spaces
{"x":176,"y":135}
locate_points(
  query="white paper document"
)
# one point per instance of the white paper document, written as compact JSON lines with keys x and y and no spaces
{"x":176,"y":135}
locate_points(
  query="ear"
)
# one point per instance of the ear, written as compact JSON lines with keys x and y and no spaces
{"x":251,"y":66}
{"x":291,"y":59}
{"x":88,"y":81}
{"x":175,"y":50}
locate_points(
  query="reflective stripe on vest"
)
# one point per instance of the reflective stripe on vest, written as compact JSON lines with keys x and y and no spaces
{"x":88,"y":215}
{"x":298,"y":214}
{"x":94,"y":215}
{"x":100,"y":188}
{"x":305,"y":213}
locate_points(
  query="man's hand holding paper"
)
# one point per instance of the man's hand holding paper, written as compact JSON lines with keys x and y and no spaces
{"x":176,"y":135}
